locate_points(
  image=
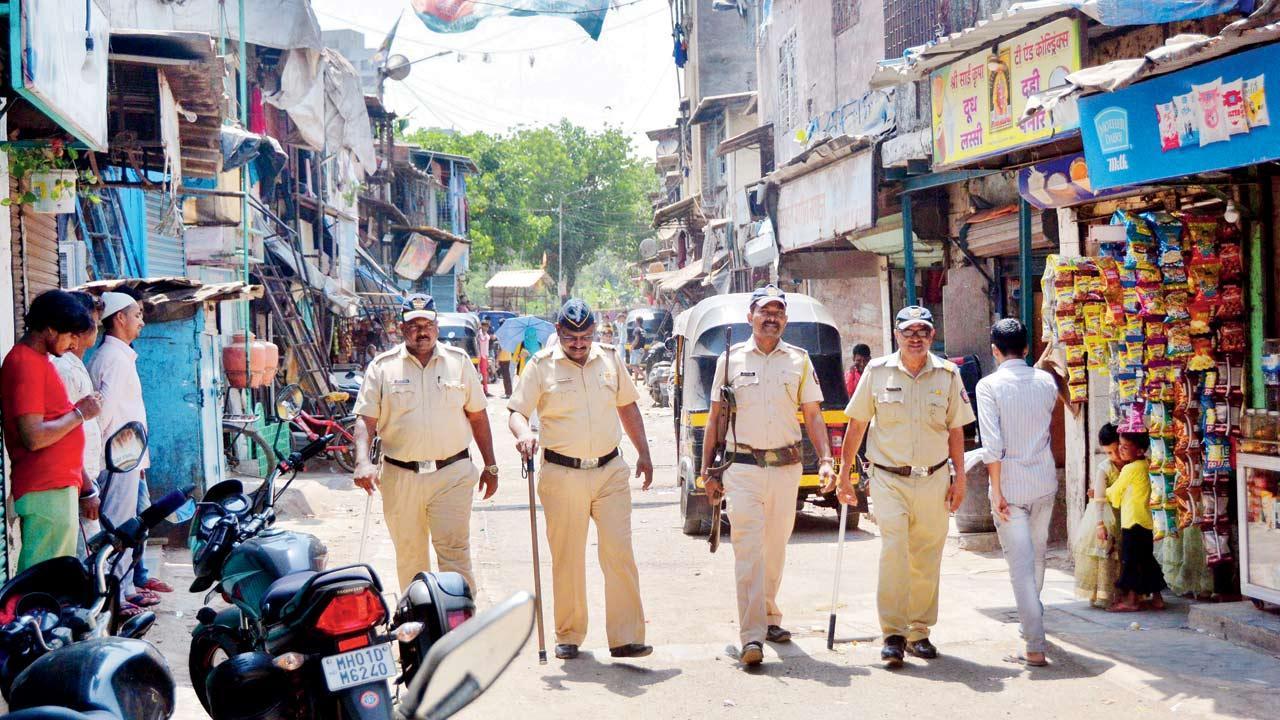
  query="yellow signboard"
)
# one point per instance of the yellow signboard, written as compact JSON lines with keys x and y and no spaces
{"x":978,"y":102}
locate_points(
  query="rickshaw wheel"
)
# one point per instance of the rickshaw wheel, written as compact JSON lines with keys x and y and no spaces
{"x":694,"y":512}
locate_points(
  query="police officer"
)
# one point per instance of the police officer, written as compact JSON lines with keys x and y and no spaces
{"x":771,"y":381}
{"x":426,"y":402}
{"x":915,"y":406}
{"x":580,"y":391}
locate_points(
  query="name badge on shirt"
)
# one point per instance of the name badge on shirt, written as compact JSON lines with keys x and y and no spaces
{"x":401,"y":381}
{"x":891,"y":395}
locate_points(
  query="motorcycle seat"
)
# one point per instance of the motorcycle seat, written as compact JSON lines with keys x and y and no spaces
{"x":280,"y":592}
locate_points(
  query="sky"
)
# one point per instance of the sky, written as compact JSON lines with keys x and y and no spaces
{"x":527,"y":71}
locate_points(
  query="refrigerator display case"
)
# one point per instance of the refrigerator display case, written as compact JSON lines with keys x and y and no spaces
{"x":1258,"y":507}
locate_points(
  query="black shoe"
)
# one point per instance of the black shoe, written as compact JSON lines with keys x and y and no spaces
{"x":777,"y":634}
{"x":566,"y":652}
{"x":892,"y":652}
{"x":752,"y":653}
{"x":922,"y":648}
{"x":631,"y":650}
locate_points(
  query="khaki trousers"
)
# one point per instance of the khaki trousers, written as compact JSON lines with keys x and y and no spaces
{"x":432,"y":508}
{"x":570,"y":498}
{"x":762,"y":508}
{"x":912,"y":516}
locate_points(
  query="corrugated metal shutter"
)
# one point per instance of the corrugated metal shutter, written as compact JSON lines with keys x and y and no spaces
{"x":166,"y":250}
{"x":34,"y":246}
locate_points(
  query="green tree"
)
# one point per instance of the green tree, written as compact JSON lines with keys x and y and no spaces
{"x":526,"y":175}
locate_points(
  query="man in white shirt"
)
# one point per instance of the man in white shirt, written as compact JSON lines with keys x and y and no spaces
{"x":114,"y":370}
{"x":75,"y":376}
{"x":1015,"y":407}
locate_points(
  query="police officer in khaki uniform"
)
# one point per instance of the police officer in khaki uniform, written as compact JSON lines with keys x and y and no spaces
{"x":772,"y":381}
{"x":915,"y":406}
{"x":580,"y":390}
{"x":426,"y":401}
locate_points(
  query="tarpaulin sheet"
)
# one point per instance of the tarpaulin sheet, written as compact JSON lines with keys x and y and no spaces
{"x":1150,"y":12}
{"x":451,"y":16}
{"x":322,"y":94}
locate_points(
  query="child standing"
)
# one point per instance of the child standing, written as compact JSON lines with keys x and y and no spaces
{"x":1096,"y":550}
{"x":1140,"y":574}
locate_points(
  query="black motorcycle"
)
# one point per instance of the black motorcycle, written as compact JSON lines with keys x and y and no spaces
{"x":62,"y":639}
{"x":299,"y":640}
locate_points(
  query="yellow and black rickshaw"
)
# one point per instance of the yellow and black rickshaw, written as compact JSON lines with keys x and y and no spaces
{"x":461,"y":330}
{"x":700,"y":340}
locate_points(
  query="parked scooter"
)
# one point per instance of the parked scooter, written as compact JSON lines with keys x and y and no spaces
{"x":127,"y":686}
{"x":298,"y":640}
{"x":60,"y":615}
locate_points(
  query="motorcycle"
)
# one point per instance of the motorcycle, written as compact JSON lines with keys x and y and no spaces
{"x":62,"y":637}
{"x":120,"y":678}
{"x":300,"y":640}
{"x":659,"y":370}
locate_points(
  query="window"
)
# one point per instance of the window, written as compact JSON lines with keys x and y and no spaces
{"x":844,"y":15}
{"x":908,"y":23}
{"x":788,"y":84}
{"x":713,"y":166}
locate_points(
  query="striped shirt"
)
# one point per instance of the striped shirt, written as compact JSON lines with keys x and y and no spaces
{"x":1015,"y":407}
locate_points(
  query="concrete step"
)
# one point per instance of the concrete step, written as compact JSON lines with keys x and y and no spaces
{"x":1238,"y":622}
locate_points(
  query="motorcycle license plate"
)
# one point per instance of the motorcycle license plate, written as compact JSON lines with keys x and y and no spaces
{"x":358,"y":667}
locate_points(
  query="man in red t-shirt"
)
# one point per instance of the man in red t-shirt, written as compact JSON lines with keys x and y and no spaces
{"x":42,"y":431}
{"x":861,"y":356}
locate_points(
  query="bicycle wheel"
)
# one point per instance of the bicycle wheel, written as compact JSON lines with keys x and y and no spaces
{"x":346,"y":457}
{"x":243,"y":445}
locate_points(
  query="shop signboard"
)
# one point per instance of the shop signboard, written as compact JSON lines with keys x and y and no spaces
{"x":827,"y":203}
{"x":1061,"y":182}
{"x":979,"y":102}
{"x":1212,"y":116}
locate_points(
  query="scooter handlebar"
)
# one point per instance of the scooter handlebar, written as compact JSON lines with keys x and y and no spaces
{"x":310,"y":450}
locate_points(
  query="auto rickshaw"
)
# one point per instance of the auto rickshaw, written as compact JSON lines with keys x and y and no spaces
{"x":700,"y":340}
{"x":460,"y":330}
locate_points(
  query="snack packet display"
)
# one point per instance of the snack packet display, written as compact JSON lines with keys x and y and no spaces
{"x":1175,"y":276}
{"x":1077,"y":373}
{"x":1217,"y":454}
{"x":1209,"y":113}
{"x":1097,"y":354}
{"x":1150,"y":301}
{"x":1234,"y":108}
{"x":1148,"y":274}
{"x":1175,"y":305}
{"x":1232,"y":261}
{"x":1157,"y":417}
{"x":1131,"y":301}
{"x":1231,"y":303}
{"x":1075,"y":354}
{"x":1205,"y":276}
{"x":1155,"y":347}
{"x":1178,"y":337}
{"x":1201,"y":315}
{"x":1202,"y":234}
{"x":1126,"y":386}
{"x":1168,"y":232}
{"x":1231,"y":337}
{"x":1078,"y":392}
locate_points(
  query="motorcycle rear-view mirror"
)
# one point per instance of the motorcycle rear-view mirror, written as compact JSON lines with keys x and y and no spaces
{"x":125,"y":447}
{"x":289,"y":403}
{"x":463,"y":664}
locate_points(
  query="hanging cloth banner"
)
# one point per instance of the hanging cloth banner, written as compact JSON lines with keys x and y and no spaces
{"x":453,"y":16}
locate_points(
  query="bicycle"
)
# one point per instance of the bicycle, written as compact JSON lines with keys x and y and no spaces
{"x":342,"y":448}
{"x":238,"y":431}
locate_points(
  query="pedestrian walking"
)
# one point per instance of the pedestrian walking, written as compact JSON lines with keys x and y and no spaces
{"x":584,"y":399}
{"x":75,"y":378}
{"x":482,"y":343}
{"x":914,"y":407}
{"x":114,"y":370}
{"x":44,"y":431}
{"x":1015,"y":408}
{"x":771,"y":380}
{"x":426,"y":402}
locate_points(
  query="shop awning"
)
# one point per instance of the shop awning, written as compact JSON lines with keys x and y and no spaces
{"x":919,"y":61}
{"x":281,"y":24}
{"x":1178,"y":52}
{"x":886,"y":239}
{"x":711,"y":104}
{"x":689,"y":208}
{"x":819,"y":156}
{"x":682,"y":278}
{"x":516,"y":279}
{"x":757,"y":136}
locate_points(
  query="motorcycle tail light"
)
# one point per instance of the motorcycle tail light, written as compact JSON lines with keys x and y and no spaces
{"x":346,"y":614}
{"x":457,"y":617}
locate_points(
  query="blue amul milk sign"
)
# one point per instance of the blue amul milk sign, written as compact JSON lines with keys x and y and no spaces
{"x":1213,"y":116}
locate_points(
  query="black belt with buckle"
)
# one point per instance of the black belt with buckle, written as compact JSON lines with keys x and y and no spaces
{"x":910,"y":471}
{"x":774,"y":457}
{"x":426,"y":466}
{"x":556,"y":458}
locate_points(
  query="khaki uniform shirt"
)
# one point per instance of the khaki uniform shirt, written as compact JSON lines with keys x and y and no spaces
{"x":420,"y":410}
{"x":910,"y":416}
{"x":769,"y":388}
{"x":577,"y":405}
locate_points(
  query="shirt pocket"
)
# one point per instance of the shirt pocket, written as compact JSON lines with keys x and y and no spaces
{"x":453,"y":393}
{"x":891,"y":408}
{"x":936,"y":408}
{"x":748,"y":391}
{"x":607,"y":381}
{"x":790,"y":382}
{"x":401,"y":397}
